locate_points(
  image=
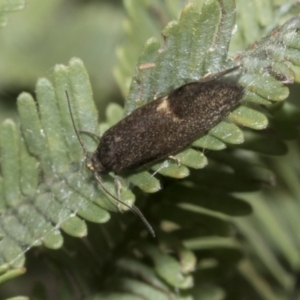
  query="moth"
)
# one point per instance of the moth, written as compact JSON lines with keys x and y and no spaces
{"x":163,"y":127}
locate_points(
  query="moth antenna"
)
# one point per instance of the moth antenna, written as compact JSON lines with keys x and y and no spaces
{"x":132,"y":208}
{"x":74,"y":126}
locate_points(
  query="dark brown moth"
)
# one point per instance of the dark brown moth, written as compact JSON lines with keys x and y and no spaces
{"x":163,"y":127}
{"x":167,"y":125}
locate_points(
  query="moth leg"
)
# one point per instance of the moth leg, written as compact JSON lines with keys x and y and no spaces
{"x":118,"y":186}
{"x":91,"y":133}
{"x":213,"y":76}
{"x":176,"y":159}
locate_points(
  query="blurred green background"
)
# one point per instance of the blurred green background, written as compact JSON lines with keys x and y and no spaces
{"x":46,"y":33}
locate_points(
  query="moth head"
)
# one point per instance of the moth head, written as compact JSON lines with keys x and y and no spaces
{"x":94,"y":164}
